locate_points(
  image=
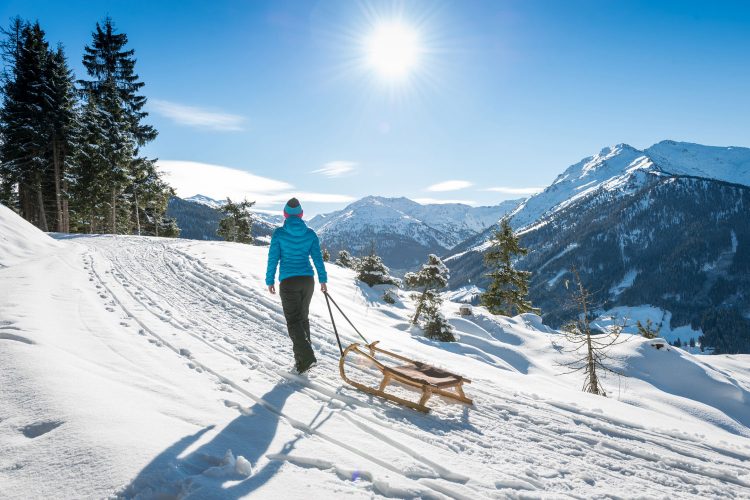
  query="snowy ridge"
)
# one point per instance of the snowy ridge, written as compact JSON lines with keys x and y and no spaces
{"x":623,"y":165}
{"x":146,"y":367}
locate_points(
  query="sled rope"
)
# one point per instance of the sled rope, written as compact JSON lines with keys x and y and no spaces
{"x":330,"y":300}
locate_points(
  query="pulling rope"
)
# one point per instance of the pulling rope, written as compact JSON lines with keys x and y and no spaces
{"x":330,"y":300}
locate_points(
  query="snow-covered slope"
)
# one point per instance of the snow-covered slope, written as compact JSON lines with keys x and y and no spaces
{"x":728,"y":164}
{"x":132,"y":366}
{"x":18,"y":241}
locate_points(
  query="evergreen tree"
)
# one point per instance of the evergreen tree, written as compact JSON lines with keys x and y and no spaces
{"x":115,"y":89}
{"x":24,"y":125}
{"x":431,"y":277}
{"x":372,"y":271}
{"x":345,"y":259}
{"x":62,"y":123}
{"x":237,"y":224}
{"x":10,"y":46}
{"x":509,"y":287}
{"x":326,"y":255}
{"x":648,"y":331}
{"x":436,"y":327}
{"x":89,"y":188}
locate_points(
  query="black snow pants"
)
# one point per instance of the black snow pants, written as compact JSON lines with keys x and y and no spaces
{"x":296,"y":293}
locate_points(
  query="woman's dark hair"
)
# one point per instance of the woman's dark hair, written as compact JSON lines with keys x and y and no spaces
{"x":293,"y":203}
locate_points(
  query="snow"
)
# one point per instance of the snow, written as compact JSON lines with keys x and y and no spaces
{"x":729,"y":164}
{"x":159,"y":368}
{"x":19,"y":242}
{"x":630,"y":315}
{"x":626,"y":282}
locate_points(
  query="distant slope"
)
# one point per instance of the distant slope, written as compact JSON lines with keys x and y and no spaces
{"x":199,"y":220}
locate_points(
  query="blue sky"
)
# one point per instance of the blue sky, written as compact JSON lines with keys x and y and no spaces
{"x":504,"y":94}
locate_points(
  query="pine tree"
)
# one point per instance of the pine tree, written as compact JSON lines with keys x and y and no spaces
{"x":10,"y":46}
{"x":372,"y":271}
{"x":24,"y":124}
{"x":115,"y":89}
{"x":507,"y":292}
{"x":431,"y":277}
{"x":648,"y":331}
{"x":346,"y":260}
{"x":326,"y":255}
{"x":436,"y":327}
{"x":237,"y":224}
{"x":88,"y":176}
{"x":62,"y":123}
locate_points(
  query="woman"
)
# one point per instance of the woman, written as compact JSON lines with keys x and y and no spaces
{"x":293,"y":244}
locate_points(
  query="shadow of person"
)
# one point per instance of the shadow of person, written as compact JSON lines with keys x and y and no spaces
{"x":199,"y":474}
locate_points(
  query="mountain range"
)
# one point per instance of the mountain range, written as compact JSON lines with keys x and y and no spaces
{"x":667,"y":227}
{"x":403,"y":232}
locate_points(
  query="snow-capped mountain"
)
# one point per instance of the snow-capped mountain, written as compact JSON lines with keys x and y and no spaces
{"x":206,"y":200}
{"x":667,"y":227}
{"x":403,"y":231}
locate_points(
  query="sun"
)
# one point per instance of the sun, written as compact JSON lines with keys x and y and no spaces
{"x":393,"y":50}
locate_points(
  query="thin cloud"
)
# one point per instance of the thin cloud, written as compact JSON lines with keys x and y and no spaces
{"x":519,"y":191}
{"x":449,"y":186}
{"x":435,"y":201}
{"x":193,"y":116}
{"x":189,"y":178}
{"x":336,"y":168}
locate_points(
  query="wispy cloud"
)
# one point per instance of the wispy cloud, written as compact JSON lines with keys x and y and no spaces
{"x":435,"y":201}
{"x":189,"y":178}
{"x":449,"y":186}
{"x":512,"y":190}
{"x":193,"y":116}
{"x":336,"y":168}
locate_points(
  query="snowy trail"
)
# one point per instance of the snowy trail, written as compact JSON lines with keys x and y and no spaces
{"x":224,"y":324}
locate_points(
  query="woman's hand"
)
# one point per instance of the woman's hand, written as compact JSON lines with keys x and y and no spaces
{"x":272,"y":289}
{"x":324,"y":287}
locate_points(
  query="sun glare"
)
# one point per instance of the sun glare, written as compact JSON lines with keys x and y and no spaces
{"x":393,"y":50}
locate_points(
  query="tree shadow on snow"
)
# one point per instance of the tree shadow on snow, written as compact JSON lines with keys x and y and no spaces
{"x":202,"y":472}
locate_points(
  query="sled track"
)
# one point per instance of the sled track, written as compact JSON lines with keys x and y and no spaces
{"x":549,"y":441}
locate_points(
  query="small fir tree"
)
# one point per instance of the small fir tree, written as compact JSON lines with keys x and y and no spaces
{"x":388,"y":297}
{"x":648,"y":331}
{"x":436,"y":327}
{"x":507,"y":292}
{"x":326,"y":255}
{"x":372,"y":271}
{"x":431,"y":277}
{"x":237,"y":224}
{"x":346,"y":260}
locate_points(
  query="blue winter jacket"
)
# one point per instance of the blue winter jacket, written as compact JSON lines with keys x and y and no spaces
{"x":293,"y":244}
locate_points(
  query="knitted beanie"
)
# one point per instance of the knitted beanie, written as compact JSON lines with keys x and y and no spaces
{"x":293,"y":208}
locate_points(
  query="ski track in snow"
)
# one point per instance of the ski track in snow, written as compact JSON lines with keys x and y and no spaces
{"x":228,"y":328}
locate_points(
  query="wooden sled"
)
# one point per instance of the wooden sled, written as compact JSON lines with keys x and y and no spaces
{"x":428,"y":379}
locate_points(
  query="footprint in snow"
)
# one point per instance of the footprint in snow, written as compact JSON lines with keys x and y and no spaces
{"x":35,"y":430}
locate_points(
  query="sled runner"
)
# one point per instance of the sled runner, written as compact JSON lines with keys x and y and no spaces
{"x":414,"y":374}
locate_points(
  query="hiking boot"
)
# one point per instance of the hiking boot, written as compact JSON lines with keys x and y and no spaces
{"x":304,"y":367}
